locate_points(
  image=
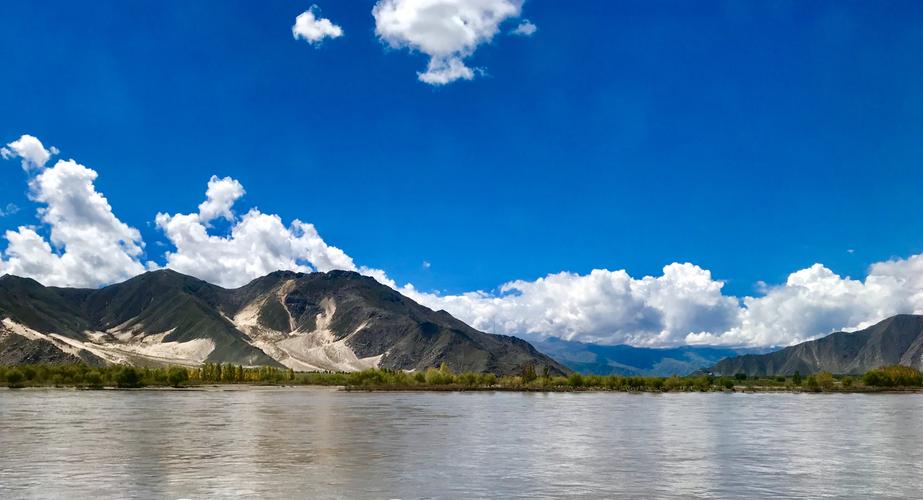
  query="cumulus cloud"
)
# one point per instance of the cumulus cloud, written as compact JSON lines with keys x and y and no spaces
{"x":685,"y":305}
{"x":87,"y":246}
{"x":30,"y":150}
{"x":448,"y":31}
{"x":219,"y":198}
{"x":313,"y":29}
{"x":602,"y":306}
{"x":257,"y":244}
{"x":525,"y":28}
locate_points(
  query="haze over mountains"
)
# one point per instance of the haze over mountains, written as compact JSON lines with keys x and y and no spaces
{"x":624,"y":359}
{"x":336,"y":321}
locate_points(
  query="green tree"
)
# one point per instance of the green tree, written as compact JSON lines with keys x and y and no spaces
{"x":14,"y":378}
{"x":824,"y":380}
{"x":177,"y":376}
{"x":93,"y":380}
{"x":128,"y":377}
{"x":796,"y":378}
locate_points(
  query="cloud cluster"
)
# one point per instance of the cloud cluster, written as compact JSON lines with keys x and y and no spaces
{"x":257,"y":243}
{"x":448,"y":31}
{"x":87,"y":245}
{"x":685,"y":306}
{"x":313,"y":29}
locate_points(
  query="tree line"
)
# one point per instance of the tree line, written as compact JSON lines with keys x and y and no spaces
{"x":120,"y":376}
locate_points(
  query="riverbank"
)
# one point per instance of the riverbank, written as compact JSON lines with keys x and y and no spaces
{"x":898,"y":379}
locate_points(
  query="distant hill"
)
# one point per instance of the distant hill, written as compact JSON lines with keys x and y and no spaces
{"x":336,"y":321}
{"x":896,"y":340}
{"x":627,"y":360}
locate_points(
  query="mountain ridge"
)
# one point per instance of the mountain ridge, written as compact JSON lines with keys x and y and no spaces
{"x":894,"y":340}
{"x":336,"y":321}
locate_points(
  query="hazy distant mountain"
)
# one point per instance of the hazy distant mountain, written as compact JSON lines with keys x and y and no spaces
{"x":896,"y":340}
{"x":627,"y":360}
{"x":338,"y":320}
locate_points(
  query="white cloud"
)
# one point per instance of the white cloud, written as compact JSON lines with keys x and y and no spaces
{"x":525,"y":28}
{"x":448,"y":31}
{"x":313,"y":29}
{"x":258,"y":243}
{"x":219,"y":198}
{"x":30,"y":150}
{"x":602,"y":306}
{"x":9,"y":209}
{"x":88,"y":245}
{"x":685,"y":306}
{"x":427,"y":264}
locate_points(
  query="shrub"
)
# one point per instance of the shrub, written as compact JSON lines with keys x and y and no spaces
{"x":893,"y":376}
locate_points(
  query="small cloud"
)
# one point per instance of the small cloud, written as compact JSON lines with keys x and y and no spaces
{"x":525,"y":28}
{"x":850,"y":250}
{"x":426,"y":264}
{"x":447,"y":31}
{"x":313,"y":29}
{"x":9,"y":209}
{"x":33,"y":154}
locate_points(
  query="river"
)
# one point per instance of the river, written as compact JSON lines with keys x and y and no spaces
{"x":323,"y":443}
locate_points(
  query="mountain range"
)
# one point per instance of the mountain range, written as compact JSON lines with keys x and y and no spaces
{"x":333,"y":321}
{"x":629,"y":360}
{"x":896,"y":340}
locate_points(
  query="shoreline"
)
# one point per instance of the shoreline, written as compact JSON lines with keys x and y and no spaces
{"x":451,"y":388}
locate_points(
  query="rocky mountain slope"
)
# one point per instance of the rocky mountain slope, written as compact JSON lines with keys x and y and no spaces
{"x":896,"y":340}
{"x":338,"y":321}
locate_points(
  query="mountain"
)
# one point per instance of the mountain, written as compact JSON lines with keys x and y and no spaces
{"x":896,"y":340}
{"x":627,"y":360}
{"x":336,"y":321}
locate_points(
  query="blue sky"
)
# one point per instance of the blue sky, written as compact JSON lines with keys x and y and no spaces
{"x":752,"y":139}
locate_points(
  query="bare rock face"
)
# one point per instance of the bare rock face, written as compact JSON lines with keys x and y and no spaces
{"x":336,"y":321}
{"x":896,"y":340}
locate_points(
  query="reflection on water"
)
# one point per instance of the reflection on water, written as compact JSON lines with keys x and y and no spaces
{"x":322,"y":443}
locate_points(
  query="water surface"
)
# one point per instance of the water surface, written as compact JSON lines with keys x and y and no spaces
{"x":320,"y":443}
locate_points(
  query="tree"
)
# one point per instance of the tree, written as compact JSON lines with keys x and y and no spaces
{"x":796,"y":378}
{"x":528,"y":373}
{"x":177,"y":376}
{"x":14,"y":379}
{"x":128,"y":377}
{"x":824,"y":380}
